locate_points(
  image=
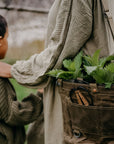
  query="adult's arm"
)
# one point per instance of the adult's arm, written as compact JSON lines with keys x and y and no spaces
{"x":72,"y":29}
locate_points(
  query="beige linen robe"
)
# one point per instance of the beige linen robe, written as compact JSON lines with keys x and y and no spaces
{"x":72,"y":25}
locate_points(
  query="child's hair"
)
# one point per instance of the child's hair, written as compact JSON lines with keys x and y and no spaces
{"x":3,"y":26}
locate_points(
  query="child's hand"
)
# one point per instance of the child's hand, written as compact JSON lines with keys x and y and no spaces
{"x":5,"y":70}
{"x":40,"y":93}
{"x":41,"y":90}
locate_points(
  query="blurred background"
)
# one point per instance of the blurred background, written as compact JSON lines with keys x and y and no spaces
{"x":27,"y":20}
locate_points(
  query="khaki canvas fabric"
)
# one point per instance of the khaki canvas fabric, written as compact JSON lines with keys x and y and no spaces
{"x":95,"y":120}
{"x":72,"y":25}
{"x":14,"y":114}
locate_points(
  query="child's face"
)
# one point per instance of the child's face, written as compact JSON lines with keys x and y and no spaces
{"x":3,"y":45}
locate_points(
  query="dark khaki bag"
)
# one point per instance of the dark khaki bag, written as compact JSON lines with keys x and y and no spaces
{"x":94,"y":118}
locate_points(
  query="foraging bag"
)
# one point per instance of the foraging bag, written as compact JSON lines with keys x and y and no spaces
{"x":92,"y":115}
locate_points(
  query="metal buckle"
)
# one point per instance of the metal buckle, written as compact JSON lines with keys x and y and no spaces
{"x":77,"y":133}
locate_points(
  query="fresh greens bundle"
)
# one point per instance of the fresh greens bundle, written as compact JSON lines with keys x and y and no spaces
{"x":90,"y":68}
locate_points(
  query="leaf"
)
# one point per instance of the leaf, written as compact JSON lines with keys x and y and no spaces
{"x":77,"y":73}
{"x":102,"y":76}
{"x":99,"y":75}
{"x":90,"y":69}
{"x":78,"y":63}
{"x":87,"y":60}
{"x":110,"y":67}
{"x":65,"y":75}
{"x":61,"y":74}
{"x":95,"y":58}
{"x":54,"y":73}
{"x":92,"y":60}
{"x":78,"y":60}
{"x":102,"y":61}
{"x":69,"y":65}
{"x":108,"y":85}
{"x":75,"y":64}
{"x":106,"y":59}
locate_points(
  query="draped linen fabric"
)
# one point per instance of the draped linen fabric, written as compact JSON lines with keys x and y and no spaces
{"x":72,"y":25}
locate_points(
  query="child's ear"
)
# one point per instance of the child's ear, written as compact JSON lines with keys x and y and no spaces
{"x":0,"y":40}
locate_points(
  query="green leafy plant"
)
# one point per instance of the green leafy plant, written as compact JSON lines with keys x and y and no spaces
{"x":72,"y":68}
{"x":90,"y":68}
{"x":100,"y":69}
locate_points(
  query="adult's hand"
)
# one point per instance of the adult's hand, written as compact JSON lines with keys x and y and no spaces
{"x":5,"y":70}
